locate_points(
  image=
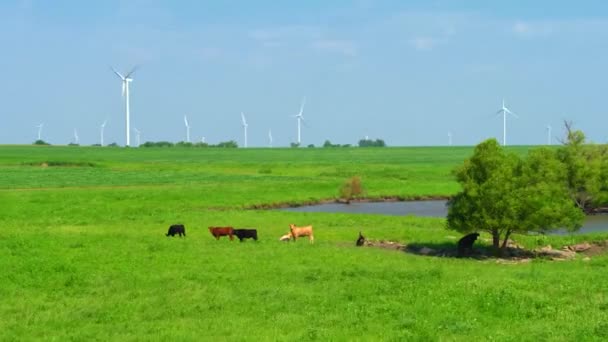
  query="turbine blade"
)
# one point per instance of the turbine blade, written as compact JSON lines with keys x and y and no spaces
{"x":124,"y":87}
{"x":132,"y":71}
{"x":243,"y":118}
{"x":117,"y":73}
{"x":186,"y":121}
{"x":302,"y":106}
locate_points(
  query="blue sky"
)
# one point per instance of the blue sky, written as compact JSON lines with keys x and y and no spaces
{"x":407,"y":72}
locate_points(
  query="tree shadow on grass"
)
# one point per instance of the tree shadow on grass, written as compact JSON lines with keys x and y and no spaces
{"x":450,"y":250}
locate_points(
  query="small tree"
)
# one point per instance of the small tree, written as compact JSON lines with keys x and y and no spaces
{"x":503,"y":194}
{"x":351,"y":189}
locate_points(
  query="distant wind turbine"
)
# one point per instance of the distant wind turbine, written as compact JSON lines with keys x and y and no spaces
{"x":300,"y":118}
{"x":548,"y":134}
{"x":76,"y":140}
{"x":449,"y":138}
{"x":187,"y":129}
{"x":125,"y":93}
{"x":203,"y":140}
{"x":40,"y":131}
{"x":270,"y":138}
{"x":103,"y":126}
{"x":244,"y":127}
{"x":138,"y":136}
{"x":504,"y":111}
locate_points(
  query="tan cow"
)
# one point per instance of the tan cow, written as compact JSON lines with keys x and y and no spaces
{"x":297,"y":232}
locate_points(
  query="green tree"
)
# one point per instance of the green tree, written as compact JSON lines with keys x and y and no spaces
{"x":586,"y":169}
{"x":503,"y":194}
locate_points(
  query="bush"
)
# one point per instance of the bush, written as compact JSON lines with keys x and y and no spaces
{"x":351,"y":189}
{"x":40,"y":142}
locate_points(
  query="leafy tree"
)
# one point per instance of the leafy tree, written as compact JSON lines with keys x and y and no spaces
{"x":371,"y":143}
{"x":327,"y":143}
{"x":504,"y":194}
{"x":311,"y":146}
{"x":40,"y":142}
{"x":586,"y":168}
{"x":228,"y":144}
{"x":294,"y":145}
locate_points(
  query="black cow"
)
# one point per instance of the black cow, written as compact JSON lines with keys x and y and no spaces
{"x":245,"y":233}
{"x":465,"y":244}
{"x":360,"y":240}
{"x":178,"y":229}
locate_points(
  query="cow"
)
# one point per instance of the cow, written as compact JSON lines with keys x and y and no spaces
{"x":285,"y":237}
{"x":178,"y":229}
{"x":360,"y":240}
{"x":222,"y":231}
{"x":297,"y":232}
{"x":245,"y":233}
{"x":465,"y":244}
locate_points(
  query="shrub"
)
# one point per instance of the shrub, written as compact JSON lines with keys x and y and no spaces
{"x":351,"y":189}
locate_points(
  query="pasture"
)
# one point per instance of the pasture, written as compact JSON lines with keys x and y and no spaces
{"x":83,"y":252}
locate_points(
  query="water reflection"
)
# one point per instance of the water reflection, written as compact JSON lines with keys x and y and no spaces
{"x":595,"y":223}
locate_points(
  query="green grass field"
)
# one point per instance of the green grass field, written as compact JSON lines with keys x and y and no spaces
{"x":83,"y":254}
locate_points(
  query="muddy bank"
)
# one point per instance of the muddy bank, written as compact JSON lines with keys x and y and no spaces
{"x":380,"y":199}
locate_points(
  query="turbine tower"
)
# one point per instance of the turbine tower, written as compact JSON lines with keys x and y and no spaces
{"x":103,"y":126}
{"x":125,"y":93}
{"x":300,"y":118}
{"x":138,"y":135}
{"x":504,"y":111}
{"x":548,"y":134}
{"x":76,"y":140}
{"x":40,"y":131}
{"x":270,"y":138}
{"x":449,"y":138}
{"x":187,"y":129}
{"x":244,"y":127}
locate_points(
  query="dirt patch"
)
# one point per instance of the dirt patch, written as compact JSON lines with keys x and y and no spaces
{"x":513,"y":253}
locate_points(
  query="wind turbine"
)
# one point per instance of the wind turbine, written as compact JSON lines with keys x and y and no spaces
{"x":103,"y":126}
{"x":76,"y":136}
{"x":270,"y":137}
{"x":504,"y":111}
{"x":548,"y":134}
{"x":203,"y":140}
{"x":244,"y":127}
{"x":40,"y":131}
{"x":138,"y":135}
{"x":300,"y":118}
{"x":449,"y":138}
{"x":187,"y":129}
{"x":125,"y":93}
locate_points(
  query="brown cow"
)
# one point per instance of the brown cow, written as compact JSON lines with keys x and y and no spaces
{"x":301,"y":231}
{"x":222,"y":231}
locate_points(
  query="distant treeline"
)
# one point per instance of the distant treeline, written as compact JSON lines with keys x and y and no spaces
{"x":224,"y":144}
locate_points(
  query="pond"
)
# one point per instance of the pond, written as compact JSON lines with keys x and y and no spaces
{"x":594,"y":223}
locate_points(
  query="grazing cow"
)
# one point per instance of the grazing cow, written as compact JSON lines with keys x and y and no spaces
{"x":285,"y":237}
{"x":465,"y":244}
{"x":245,"y":233}
{"x":222,"y":231}
{"x":360,"y":240}
{"x":297,"y":232}
{"x":178,"y":229}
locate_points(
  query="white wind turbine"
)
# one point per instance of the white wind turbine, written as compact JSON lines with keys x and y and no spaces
{"x":76,"y":140}
{"x":125,"y":92}
{"x":244,"y":127}
{"x":548,"y":134}
{"x":103,"y":126}
{"x":300,"y":118}
{"x":270,"y":137}
{"x":504,"y":111}
{"x":138,"y":136}
{"x":449,"y":138}
{"x":187,"y":129}
{"x":40,"y":131}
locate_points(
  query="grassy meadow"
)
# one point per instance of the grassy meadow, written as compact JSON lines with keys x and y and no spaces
{"x":83,"y":254}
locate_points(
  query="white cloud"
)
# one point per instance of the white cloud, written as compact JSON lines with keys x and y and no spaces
{"x":532,"y":29}
{"x":343,"y":47}
{"x":424,"y":43}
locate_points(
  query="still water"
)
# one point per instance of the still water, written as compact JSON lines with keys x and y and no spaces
{"x":595,"y":223}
